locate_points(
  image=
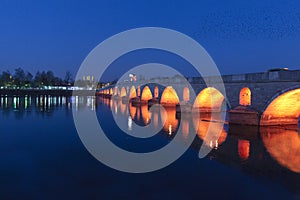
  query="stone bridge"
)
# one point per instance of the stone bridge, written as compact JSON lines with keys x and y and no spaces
{"x":267,"y":98}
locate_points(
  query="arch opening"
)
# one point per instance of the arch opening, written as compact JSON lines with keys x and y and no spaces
{"x":245,"y":97}
{"x":209,"y":99}
{"x":116,"y":91}
{"x":123,"y":92}
{"x":110,"y":91}
{"x":156,"y":92}
{"x":139,"y":91}
{"x":169,"y":96}
{"x":284,"y":109}
{"x":146,"y":94}
{"x":132,"y":92}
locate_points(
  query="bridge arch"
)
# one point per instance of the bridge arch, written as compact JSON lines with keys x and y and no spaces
{"x":209,"y":99}
{"x":132,"y":92}
{"x":169,"y":96}
{"x":245,"y":96}
{"x":123,"y":92}
{"x":146,"y":94}
{"x":116,"y":91}
{"x":283,"y":108}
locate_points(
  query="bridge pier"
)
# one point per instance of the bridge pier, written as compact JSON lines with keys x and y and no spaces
{"x":243,"y":115}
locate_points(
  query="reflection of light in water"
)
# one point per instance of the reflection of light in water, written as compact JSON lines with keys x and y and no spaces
{"x":244,"y":149}
{"x":93,"y":103}
{"x":15,"y":102}
{"x":283,"y":145}
{"x":170,"y":129}
{"x":115,"y":107}
{"x":155,"y":119}
{"x":123,"y":107}
{"x":129,"y":123}
{"x":215,"y":137}
{"x":132,"y":111}
{"x":110,"y":103}
{"x":185,"y":127}
{"x":146,"y":115}
{"x":76,"y":102}
{"x":54,"y":101}
{"x":26,"y":103}
{"x":63,"y":100}
{"x":169,"y":117}
{"x":214,"y":144}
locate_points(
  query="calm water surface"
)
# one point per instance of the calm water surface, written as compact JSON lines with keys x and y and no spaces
{"x":43,"y":157}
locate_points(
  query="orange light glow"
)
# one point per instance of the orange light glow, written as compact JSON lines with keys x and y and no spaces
{"x":216,"y":136}
{"x":169,"y":117}
{"x":156,"y":92}
{"x":132,"y":111}
{"x":123,"y":92}
{"x":209,"y":99}
{"x":123,"y":107}
{"x":139,"y":91}
{"x":116,"y":91}
{"x":285,"y":109}
{"x":186,"y":94}
{"x":283,"y":145}
{"x":185,"y":127}
{"x":132,"y":92}
{"x":146,"y":115}
{"x":110,"y":91}
{"x":169,"y":97}
{"x":244,"y":149}
{"x":146,"y":94}
{"x":245,"y":97}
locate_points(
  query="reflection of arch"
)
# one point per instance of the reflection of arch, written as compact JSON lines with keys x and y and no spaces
{"x":283,"y":145}
{"x":132,"y":111}
{"x":244,"y":149}
{"x":123,"y":92}
{"x":169,"y":117}
{"x":146,"y":114}
{"x":284,"y":108}
{"x":186,"y":94}
{"x":123,"y":107}
{"x":156,"y":92}
{"x":111,"y":91}
{"x":132,"y":92}
{"x":146,"y":94}
{"x":214,"y":138}
{"x":209,"y":99}
{"x":169,"y":96}
{"x":245,"y":97}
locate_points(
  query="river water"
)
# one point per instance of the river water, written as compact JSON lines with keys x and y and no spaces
{"x":42,"y":155}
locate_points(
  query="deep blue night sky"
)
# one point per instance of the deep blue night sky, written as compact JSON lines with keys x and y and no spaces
{"x":241,"y":36}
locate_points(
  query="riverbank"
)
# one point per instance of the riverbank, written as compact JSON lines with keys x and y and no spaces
{"x":53,"y":92}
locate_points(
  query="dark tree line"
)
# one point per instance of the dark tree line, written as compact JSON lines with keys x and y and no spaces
{"x":21,"y":79}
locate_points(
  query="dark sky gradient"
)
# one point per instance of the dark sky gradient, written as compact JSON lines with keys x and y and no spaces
{"x":241,"y":36}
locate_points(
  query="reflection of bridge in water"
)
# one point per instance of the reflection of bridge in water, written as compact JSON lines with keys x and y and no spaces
{"x":270,"y":98}
{"x":270,"y":151}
